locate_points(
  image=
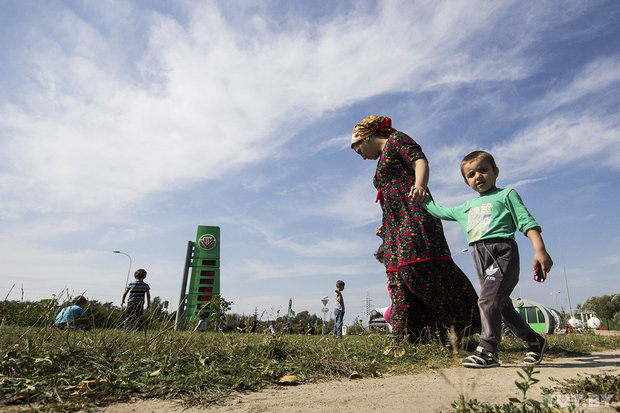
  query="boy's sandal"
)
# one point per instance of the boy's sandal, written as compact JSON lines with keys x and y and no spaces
{"x":481,"y":359}
{"x":535,"y":357}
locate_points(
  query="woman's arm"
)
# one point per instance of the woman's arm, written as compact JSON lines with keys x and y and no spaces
{"x":418,"y":192}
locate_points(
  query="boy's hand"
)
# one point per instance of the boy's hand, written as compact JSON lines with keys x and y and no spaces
{"x":540,"y":252}
{"x":543,"y":259}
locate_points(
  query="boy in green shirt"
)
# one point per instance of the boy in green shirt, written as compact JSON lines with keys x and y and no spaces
{"x":489,"y":222}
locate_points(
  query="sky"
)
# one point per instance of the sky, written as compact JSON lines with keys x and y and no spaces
{"x":126,"y":124}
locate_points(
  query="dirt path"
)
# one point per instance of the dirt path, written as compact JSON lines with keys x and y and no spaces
{"x":426,"y":392}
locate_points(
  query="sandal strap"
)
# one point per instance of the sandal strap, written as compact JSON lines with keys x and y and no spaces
{"x":475,"y":359}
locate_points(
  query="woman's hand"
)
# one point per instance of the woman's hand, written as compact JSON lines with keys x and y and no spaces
{"x":379,"y":231}
{"x":418,"y":194}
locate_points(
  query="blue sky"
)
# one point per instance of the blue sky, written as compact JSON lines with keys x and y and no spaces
{"x":125,"y":125}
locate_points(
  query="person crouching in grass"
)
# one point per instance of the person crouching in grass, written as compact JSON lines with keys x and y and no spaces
{"x":74,"y":317}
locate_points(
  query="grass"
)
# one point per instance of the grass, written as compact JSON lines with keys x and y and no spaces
{"x":70,"y":370}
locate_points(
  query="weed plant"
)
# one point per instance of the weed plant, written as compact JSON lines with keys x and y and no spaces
{"x":65,"y":369}
{"x":606,"y":384}
{"x":560,"y":345}
{"x":69,"y":370}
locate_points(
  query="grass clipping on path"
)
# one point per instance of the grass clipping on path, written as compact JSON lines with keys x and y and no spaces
{"x":68,"y":370}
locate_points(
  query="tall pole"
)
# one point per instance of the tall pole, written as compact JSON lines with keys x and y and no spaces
{"x":556,"y":299}
{"x":181,"y":309}
{"x":570,"y":306}
{"x":129,"y":270}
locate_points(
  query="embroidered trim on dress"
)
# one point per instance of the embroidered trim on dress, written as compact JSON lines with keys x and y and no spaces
{"x":402,"y":264}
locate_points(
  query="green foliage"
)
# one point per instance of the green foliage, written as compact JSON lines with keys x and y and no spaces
{"x":75,"y":369}
{"x":217,"y":308}
{"x":70,"y":370}
{"x":514,"y":405}
{"x":301,"y":322}
{"x":103,"y":315}
{"x":606,"y":306}
{"x":608,"y":385}
{"x":20,"y":313}
{"x":560,"y":345}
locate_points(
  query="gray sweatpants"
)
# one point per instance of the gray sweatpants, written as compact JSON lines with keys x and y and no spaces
{"x":497,"y":263}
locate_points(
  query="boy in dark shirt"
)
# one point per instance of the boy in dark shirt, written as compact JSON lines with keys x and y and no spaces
{"x":135,"y":304}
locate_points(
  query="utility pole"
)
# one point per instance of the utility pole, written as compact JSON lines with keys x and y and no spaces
{"x":368,"y":305}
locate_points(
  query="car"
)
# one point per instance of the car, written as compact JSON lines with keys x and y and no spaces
{"x":376,"y":320}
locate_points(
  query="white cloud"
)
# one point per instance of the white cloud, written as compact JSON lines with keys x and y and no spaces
{"x":557,"y":142}
{"x":211,"y":98}
{"x":115,"y":124}
{"x":596,"y":77}
{"x":260,"y":270}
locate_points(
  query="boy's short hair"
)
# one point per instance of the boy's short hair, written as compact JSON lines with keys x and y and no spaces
{"x":80,"y":300}
{"x":472,"y":156}
{"x":339,"y":283}
{"x":140,"y":274}
{"x":380,"y":254}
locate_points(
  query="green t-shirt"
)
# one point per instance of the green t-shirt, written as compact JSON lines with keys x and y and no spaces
{"x":495,"y":214}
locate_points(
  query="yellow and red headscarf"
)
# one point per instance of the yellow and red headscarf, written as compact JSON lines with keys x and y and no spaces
{"x":371,"y":125}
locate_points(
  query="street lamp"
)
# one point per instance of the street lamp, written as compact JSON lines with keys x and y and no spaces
{"x":129,"y":270}
{"x":324,"y":300}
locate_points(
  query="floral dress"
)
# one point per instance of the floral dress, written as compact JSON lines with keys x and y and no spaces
{"x":429,"y":292}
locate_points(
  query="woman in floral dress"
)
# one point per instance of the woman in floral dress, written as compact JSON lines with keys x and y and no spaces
{"x":429,"y":292}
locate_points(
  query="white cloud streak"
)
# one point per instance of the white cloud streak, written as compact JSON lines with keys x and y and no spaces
{"x":210,"y":98}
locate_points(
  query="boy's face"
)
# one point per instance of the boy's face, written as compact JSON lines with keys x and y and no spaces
{"x":480,"y":176}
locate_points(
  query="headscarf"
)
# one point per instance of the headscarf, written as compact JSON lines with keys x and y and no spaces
{"x":371,"y":125}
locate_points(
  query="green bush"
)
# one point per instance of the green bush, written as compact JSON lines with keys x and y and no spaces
{"x":103,"y":315}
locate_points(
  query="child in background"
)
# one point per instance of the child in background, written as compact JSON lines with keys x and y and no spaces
{"x":202,"y":322}
{"x":489,"y":222}
{"x":135,"y":304}
{"x":74,"y":317}
{"x":339,"y":309}
{"x":380,"y":254}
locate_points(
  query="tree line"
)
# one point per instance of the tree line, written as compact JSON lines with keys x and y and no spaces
{"x":107,"y":315}
{"x":606,"y":307}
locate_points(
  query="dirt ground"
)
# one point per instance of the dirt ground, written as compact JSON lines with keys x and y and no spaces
{"x":425,"y":392}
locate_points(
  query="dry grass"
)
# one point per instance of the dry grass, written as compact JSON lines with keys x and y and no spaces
{"x":68,"y":370}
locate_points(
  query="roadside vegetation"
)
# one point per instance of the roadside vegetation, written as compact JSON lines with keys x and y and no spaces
{"x":67,"y":370}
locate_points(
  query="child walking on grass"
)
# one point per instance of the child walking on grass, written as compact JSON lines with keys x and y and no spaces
{"x":489,"y":222}
{"x":338,"y":309}
{"x":135,"y":304}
